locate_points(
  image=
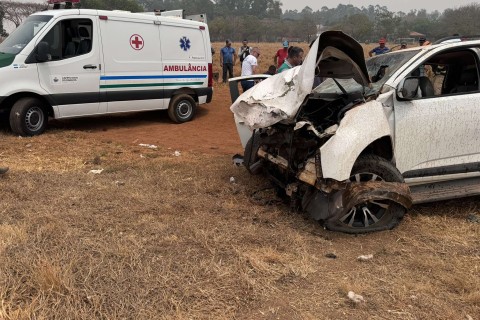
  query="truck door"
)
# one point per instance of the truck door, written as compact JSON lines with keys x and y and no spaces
{"x":72,"y":77}
{"x":437,"y":132}
{"x":133,"y":79}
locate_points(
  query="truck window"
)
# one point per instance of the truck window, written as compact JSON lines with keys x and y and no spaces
{"x":24,"y":34}
{"x":70,"y":38}
{"x":450,"y":72}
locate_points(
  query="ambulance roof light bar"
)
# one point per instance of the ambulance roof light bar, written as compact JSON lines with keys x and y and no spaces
{"x":67,"y":4}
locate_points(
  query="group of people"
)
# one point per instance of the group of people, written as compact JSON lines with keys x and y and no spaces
{"x":285,"y":58}
{"x":382,"y":48}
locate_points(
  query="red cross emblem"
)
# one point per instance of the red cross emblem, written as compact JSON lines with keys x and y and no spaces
{"x":136,"y":42}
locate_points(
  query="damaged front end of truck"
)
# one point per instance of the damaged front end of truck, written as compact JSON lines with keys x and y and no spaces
{"x":328,"y":148}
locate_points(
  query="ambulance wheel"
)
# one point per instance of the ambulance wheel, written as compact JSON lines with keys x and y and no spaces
{"x":28,"y":117}
{"x":182,"y":108}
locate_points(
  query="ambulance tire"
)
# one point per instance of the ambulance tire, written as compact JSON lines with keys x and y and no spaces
{"x":28,"y":117}
{"x":182,"y":108}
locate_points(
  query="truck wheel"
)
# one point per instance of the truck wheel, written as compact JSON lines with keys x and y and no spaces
{"x":182,"y":108}
{"x":28,"y":117}
{"x":375,"y":215}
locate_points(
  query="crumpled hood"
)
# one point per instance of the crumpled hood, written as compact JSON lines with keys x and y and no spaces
{"x":279,"y":97}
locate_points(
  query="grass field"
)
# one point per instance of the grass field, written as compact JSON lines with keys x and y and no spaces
{"x":156,"y":236}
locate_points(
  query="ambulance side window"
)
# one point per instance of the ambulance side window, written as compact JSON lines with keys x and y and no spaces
{"x":70,"y":38}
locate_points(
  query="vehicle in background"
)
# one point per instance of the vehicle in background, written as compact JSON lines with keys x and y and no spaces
{"x":79,"y":62}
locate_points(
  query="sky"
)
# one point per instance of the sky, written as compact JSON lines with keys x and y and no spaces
{"x":392,"y":5}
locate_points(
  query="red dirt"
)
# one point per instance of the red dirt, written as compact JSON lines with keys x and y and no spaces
{"x":211,"y":131}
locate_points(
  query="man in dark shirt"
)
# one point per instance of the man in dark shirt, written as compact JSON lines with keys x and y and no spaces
{"x":227,"y":60}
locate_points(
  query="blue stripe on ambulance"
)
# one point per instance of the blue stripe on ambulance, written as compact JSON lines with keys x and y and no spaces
{"x":189,"y":80}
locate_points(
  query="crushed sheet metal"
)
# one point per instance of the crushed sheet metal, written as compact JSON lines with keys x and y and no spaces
{"x":309,"y":126}
{"x":279,"y":97}
{"x":360,"y":192}
{"x":352,"y":137}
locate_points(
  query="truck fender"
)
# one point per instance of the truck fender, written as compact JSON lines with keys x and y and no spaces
{"x":360,"y":127}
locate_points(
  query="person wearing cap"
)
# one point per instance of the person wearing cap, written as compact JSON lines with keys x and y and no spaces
{"x":281,"y":54}
{"x":227,"y":60}
{"x":381,"y":49}
{"x":244,"y":51}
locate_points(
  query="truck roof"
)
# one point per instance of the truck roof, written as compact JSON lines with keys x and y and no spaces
{"x":119,"y":14}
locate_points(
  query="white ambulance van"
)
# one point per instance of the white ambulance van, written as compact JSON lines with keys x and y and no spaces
{"x":78,"y":62}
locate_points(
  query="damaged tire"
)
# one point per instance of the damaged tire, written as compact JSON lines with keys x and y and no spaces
{"x":374,"y":215}
{"x":251,"y":160}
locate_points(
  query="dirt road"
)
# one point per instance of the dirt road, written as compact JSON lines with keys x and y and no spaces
{"x":212,"y":131}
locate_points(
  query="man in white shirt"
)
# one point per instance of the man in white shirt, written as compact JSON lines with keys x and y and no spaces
{"x":249,"y":67}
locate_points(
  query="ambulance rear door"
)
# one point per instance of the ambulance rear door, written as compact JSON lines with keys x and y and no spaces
{"x":185,"y":57}
{"x":133,"y":68}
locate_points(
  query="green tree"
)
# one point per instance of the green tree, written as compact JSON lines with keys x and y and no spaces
{"x":358,"y":25}
{"x":3,"y":33}
{"x":386,"y":22}
{"x":274,"y":9}
{"x":463,"y":20}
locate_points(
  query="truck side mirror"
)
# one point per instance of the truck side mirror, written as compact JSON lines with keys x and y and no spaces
{"x":43,"y":52}
{"x":409,"y":89}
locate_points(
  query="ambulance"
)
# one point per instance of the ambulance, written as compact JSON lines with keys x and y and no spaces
{"x":78,"y":62}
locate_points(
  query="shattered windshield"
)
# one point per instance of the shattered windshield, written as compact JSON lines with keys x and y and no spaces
{"x":330,"y":86}
{"x":24,"y":34}
{"x":382,"y":67}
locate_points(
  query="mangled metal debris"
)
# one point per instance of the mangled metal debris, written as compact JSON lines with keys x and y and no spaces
{"x":372,"y":138}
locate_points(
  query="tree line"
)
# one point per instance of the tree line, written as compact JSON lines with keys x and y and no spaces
{"x":264,"y":20}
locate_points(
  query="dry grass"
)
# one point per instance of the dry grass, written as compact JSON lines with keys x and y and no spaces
{"x":164,"y":237}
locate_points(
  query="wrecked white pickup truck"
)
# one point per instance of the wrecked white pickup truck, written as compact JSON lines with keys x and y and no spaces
{"x":373,"y":137}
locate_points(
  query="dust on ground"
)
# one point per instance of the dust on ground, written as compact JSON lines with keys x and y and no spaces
{"x":212,"y":131}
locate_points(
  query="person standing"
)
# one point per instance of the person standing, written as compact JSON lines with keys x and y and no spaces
{"x":244,"y":51}
{"x":281,"y":55}
{"x":227,"y":60}
{"x":295,"y":58}
{"x":249,"y":67}
{"x":381,"y":49}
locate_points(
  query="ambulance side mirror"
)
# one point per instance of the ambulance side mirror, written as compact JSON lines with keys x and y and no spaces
{"x":43,"y":52}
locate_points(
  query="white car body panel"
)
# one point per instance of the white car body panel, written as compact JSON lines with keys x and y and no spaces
{"x":437,"y":132}
{"x":361,"y":126}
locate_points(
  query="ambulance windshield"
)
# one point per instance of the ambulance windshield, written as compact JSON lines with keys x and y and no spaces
{"x":24,"y":34}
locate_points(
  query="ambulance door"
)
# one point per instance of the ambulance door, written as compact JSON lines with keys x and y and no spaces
{"x":185,"y":58}
{"x":133,"y":78}
{"x":72,"y":76}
